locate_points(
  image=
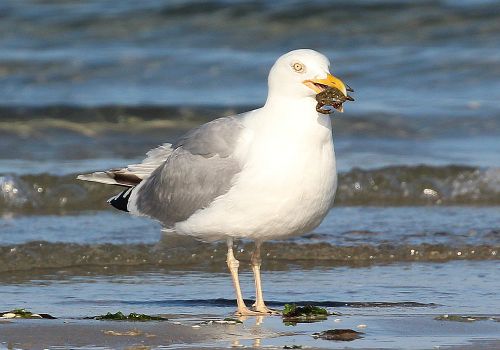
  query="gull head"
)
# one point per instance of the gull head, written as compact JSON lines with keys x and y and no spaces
{"x":304,"y":73}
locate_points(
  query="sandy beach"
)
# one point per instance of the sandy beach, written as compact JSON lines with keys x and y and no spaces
{"x":379,"y":332}
{"x":395,"y":306}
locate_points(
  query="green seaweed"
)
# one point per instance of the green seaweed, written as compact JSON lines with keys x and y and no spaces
{"x":23,"y":313}
{"x":293,"y":314}
{"x":119,"y":316}
{"x":292,"y":310}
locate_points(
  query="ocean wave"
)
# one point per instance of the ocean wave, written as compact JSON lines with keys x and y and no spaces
{"x":114,"y":120}
{"x":420,"y":185}
{"x":396,"y":186}
{"x":88,"y":121}
{"x":282,"y":255}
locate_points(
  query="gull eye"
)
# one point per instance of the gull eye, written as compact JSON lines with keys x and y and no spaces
{"x":298,"y":67}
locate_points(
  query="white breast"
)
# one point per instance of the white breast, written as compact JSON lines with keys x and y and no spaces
{"x":286,"y":187}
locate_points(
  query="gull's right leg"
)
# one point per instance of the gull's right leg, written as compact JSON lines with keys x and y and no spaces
{"x":259,"y":304}
{"x":233,"y":265}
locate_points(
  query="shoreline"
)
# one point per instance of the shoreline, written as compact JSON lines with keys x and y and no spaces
{"x":384,"y":331}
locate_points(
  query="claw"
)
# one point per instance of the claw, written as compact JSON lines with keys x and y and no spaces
{"x":248,"y":312}
{"x":266,"y":311}
{"x":262,"y":311}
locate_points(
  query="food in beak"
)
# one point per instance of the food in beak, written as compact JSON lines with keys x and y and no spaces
{"x":333,"y":97}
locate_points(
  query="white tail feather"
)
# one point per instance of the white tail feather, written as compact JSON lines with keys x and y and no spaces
{"x":100,"y":176}
{"x":134,"y":173}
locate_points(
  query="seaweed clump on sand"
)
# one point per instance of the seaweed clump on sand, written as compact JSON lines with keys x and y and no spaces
{"x":23,"y":313}
{"x":293,"y":314}
{"x":339,"y":334}
{"x":119,"y":316}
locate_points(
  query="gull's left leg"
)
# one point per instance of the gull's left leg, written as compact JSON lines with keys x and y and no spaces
{"x":233,"y":265}
{"x":256,"y":261}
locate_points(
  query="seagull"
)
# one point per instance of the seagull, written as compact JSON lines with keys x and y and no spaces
{"x":265,"y":174}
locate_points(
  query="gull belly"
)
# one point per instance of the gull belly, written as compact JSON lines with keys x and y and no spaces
{"x":287,"y":184}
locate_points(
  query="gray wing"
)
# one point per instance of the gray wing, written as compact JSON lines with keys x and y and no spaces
{"x":200,"y":168}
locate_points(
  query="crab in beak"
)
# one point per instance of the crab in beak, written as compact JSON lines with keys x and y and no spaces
{"x":330,"y":91}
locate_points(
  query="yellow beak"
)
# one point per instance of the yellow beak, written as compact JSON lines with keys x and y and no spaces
{"x":330,"y":81}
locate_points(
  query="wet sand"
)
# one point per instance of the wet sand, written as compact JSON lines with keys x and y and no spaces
{"x":398,"y":305}
{"x":380,"y":332}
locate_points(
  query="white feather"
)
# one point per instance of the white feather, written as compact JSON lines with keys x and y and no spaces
{"x":154,"y":158}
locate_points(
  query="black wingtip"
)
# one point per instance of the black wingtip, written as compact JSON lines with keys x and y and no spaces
{"x":120,"y":201}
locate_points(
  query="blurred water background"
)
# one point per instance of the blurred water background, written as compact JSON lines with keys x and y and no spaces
{"x":88,"y":85}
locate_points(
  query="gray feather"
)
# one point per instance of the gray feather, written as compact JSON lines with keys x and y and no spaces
{"x":200,"y":169}
{"x":217,"y":137}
